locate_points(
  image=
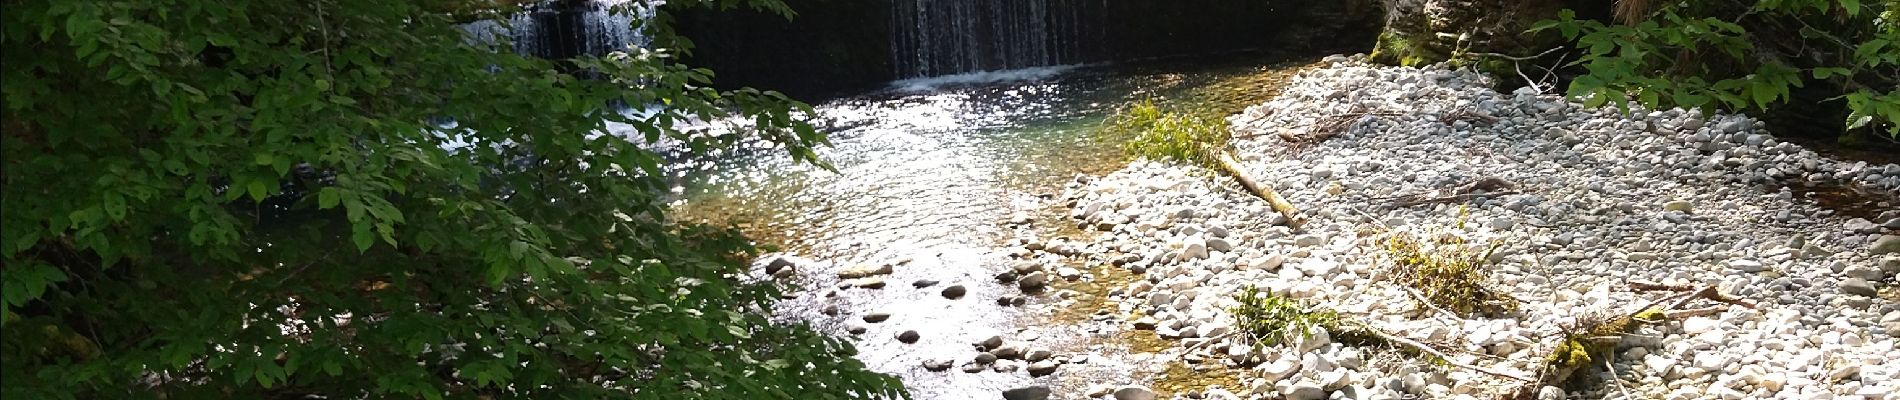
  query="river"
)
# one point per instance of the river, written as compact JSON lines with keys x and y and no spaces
{"x":926,"y":174}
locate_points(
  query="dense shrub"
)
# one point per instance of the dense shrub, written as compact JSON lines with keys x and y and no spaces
{"x":236,"y":199}
{"x":1740,"y":55}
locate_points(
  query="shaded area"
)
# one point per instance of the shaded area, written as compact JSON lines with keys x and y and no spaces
{"x":836,"y":46}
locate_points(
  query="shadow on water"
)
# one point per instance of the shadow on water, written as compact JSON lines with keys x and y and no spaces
{"x":1846,"y":199}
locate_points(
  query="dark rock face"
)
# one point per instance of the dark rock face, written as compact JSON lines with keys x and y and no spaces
{"x":836,"y":46}
{"x":1419,"y":32}
{"x":831,"y":46}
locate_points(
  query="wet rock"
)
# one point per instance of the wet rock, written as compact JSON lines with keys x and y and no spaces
{"x":936,"y":365}
{"x":985,"y":357}
{"x":866,"y":283}
{"x":1006,"y":366}
{"x":856,"y":329}
{"x":862,"y":271}
{"x":1037,"y":355}
{"x":972,"y":368}
{"x":1025,"y":267}
{"x":908,"y":337}
{"x":1006,"y":276}
{"x":1008,"y":351}
{"x":1067,"y":273}
{"x":1146,"y":323}
{"x":1044,"y":367}
{"x":1304,"y":390}
{"x":876,"y":317}
{"x":1858,"y":286}
{"x":1887,"y":244}
{"x":991,"y":343}
{"x":1134,"y":393}
{"x":779,"y":263}
{"x":954,"y":292}
{"x":1034,"y":281}
{"x":924,"y":283}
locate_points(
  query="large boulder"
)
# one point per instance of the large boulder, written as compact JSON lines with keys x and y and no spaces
{"x":1419,"y":32}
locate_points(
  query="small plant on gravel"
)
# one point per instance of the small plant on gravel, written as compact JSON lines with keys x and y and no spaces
{"x":1448,"y":273}
{"x":1268,"y":317}
{"x":1165,"y":135}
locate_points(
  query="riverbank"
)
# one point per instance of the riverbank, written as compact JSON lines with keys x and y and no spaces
{"x":1571,"y":206}
{"x":1589,"y":201}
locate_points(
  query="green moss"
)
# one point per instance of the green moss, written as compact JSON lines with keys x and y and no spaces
{"x":1396,"y":49}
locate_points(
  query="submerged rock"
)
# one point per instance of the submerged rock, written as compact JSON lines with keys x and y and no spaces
{"x":954,"y":292}
{"x":1027,"y":393}
{"x":862,"y":271}
{"x":1134,"y":393}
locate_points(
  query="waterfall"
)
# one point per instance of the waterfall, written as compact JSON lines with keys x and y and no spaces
{"x":551,"y":30}
{"x":942,"y":37}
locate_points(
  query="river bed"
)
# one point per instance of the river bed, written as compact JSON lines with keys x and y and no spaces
{"x":927,"y":173}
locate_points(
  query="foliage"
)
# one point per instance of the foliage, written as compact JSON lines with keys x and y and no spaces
{"x":1740,"y":55}
{"x":210,"y":199}
{"x":1448,"y":273}
{"x":1166,"y":135}
{"x":1269,"y":318}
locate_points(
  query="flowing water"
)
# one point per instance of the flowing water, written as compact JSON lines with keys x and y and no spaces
{"x":933,"y":38}
{"x":926,"y":174}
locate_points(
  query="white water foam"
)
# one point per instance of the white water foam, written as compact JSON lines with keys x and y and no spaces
{"x":982,"y":78}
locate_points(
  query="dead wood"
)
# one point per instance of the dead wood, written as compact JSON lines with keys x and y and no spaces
{"x":1232,"y":167}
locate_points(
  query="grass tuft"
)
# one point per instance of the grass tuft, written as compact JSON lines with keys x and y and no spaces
{"x":1268,"y":317}
{"x":1165,"y":135}
{"x":1448,"y":273}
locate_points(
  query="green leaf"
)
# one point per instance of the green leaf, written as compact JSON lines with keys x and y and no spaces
{"x":1828,"y":72}
{"x":326,"y":197}
{"x":257,"y":190}
{"x":360,"y":235}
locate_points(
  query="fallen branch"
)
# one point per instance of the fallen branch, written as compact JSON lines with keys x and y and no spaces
{"x":1232,"y":167}
{"x":1449,"y":199}
{"x":1483,"y":187}
{"x":1209,"y":340}
{"x":1420,"y":297}
{"x":1589,"y":343}
{"x":1517,"y":58}
{"x":1441,"y":355}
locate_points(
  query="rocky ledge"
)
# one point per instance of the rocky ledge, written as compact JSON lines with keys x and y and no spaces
{"x":1576,"y":204}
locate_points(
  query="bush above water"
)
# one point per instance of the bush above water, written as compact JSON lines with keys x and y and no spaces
{"x":1158,"y":134}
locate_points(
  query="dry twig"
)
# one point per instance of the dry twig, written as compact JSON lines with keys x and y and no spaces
{"x":1441,"y":355}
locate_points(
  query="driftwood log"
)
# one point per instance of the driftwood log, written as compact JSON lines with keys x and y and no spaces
{"x":1232,"y":167}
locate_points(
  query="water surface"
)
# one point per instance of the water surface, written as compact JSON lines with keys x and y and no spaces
{"x":927,"y":173}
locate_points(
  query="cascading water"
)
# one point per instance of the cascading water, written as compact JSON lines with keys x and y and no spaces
{"x":943,"y":37}
{"x":551,"y":30}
